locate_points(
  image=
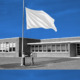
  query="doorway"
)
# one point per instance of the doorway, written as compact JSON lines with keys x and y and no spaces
{"x":78,"y":49}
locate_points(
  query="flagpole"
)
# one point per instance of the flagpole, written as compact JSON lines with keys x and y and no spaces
{"x":22,"y":56}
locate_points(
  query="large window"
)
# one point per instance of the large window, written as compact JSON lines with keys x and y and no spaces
{"x":32,"y":48}
{"x":58,"y":47}
{"x":53,"y":48}
{"x":36,"y":48}
{"x":14,"y":46}
{"x":11,"y":47}
{"x":63,"y":47}
{"x":4,"y":47}
{"x":7,"y":47}
{"x":40,"y":48}
{"x":66,"y":47}
{"x":1,"y":47}
{"x":50,"y":48}
{"x":44,"y":48}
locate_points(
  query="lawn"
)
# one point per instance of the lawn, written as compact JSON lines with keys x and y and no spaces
{"x":40,"y":63}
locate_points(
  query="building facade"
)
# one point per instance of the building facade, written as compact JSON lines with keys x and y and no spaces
{"x":12,"y":47}
{"x":59,"y":47}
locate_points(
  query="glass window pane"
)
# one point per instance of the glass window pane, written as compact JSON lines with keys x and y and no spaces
{"x":44,"y":48}
{"x":10,"y":47}
{"x":13,"y":48}
{"x":49,"y":48}
{"x":32,"y":48}
{"x":10,"y":44}
{"x":66,"y":47}
{"x":7,"y":46}
{"x":62,"y":47}
{"x":53,"y":48}
{"x":1,"y":46}
{"x":14,"y":44}
{"x":40,"y":48}
{"x":36,"y":48}
{"x":58,"y":47}
{"x":4,"y":47}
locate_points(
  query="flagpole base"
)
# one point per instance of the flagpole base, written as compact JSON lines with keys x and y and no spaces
{"x":22,"y":61}
{"x":21,"y":65}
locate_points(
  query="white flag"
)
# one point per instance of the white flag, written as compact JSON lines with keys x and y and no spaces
{"x":38,"y":19}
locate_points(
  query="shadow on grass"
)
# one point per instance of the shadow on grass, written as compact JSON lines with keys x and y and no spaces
{"x":56,"y":61}
{"x":36,"y":65}
{"x":17,"y":66}
{"x":10,"y":66}
{"x":60,"y":60}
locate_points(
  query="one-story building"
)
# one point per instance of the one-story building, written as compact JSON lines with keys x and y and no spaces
{"x":12,"y":47}
{"x":56,"y":47}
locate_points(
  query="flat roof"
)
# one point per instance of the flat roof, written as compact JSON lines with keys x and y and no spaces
{"x":9,"y":38}
{"x":62,"y":38}
{"x":17,"y":37}
{"x":77,"y":41}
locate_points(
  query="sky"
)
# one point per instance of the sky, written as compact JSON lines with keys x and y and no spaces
{"x":65,"y":12}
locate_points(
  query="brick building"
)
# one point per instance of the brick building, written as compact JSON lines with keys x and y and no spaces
{"x":12,"y":47}
{"x":57,"y":47}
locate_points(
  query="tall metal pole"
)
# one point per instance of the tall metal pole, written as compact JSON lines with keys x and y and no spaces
{"x":22,"y":56}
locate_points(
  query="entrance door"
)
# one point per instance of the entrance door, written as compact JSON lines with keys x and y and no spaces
{"x":78,"y":49}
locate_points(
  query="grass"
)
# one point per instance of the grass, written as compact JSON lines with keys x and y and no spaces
{"x":40,"y":63}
